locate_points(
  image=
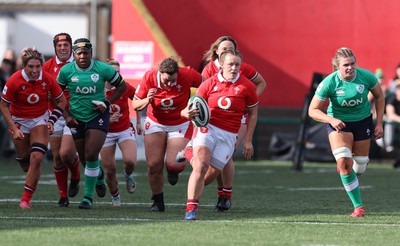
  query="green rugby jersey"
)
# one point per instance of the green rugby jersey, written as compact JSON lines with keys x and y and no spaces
{"x":348,"y":100}
{"x":86,"y":85}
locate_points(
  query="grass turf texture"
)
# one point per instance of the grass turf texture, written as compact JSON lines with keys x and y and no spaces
{"x":272,"y":205}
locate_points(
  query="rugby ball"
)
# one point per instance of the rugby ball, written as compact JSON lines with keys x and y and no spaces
{"x":204,"y":112}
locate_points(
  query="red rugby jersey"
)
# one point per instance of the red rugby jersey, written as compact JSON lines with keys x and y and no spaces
{"x":53,"y":67}
{"x":29,"y":99}
{"x":121,"y":106}
{"x":166,"y":107}
{"x":228,"y":100}
{"x":214,"y":67}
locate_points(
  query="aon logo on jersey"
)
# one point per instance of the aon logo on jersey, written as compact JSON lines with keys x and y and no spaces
{"x":86,"y":90}
{"x":352,"y":103}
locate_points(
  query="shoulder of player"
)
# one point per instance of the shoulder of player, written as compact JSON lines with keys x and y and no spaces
{"x":47,"y":76}
{"x":16,"y":75}
{"x":68,"y":66}
{"x":246,"y":82}
{"x":246,"y":66}
{"x":47,"y":64}
{"x":187,"y":70}
{"x":150,"y":75}
{"x":364,"y":73}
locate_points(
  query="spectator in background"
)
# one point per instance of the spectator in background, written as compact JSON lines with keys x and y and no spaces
{"x":7,"y":67}
{"x":24,"y":106}
{"x":391,"y":90}
{"x":61,"y":142}
{"x":393,"y":115}
{"x":123,"y":133}
{"x":386,"y":142}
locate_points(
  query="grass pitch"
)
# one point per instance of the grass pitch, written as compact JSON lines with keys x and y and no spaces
{"x":272,"y":205}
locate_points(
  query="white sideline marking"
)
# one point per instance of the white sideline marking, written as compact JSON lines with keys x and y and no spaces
{"x":17,"y":200}
{"x":321,"y":188}
{"x":214,"y":221}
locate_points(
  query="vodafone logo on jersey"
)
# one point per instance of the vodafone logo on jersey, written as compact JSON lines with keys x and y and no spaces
{"x":224,"y":102}
{"x":168,"y":102}
{"x":33,"y":98}
{"x":115,"y":108}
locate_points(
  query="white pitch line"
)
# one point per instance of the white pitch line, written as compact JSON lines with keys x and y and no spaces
{"x":323,"y":188}
{"x":208,"y":221}
{"x":17,"y":200}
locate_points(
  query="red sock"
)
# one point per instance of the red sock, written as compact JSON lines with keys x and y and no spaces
{"x":189,"y":154}
{"x":62,"y":181}
{"x":75,"y":171}
{"x":192,"y":204}
{"x":114,"y":193}
{"x":226,"y":192}
{"x":219,"y":191}
{"x":175,"y":169}
{"x":28,"y":192}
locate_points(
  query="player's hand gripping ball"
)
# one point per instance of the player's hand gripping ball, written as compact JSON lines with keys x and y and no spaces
{"x":204,"y":112}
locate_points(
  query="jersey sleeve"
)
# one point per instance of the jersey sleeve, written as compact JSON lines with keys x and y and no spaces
{"x":248,"y":71}
{"x":373,"y":80}
{"x":8,"y":92}
{"x":62,"y":77}
{"x":204,"y":89}
{"x":252,"y":99}
{"x":55,"y":90}
{"x":142,"y":89}
{"x":195,"y":77}
{"x":322,"y":90}
{"x":130,"y":91}
{"x":206,"y":73}
{"x":110,"y":74}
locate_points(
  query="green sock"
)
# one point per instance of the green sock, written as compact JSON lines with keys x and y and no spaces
{"x":91,"y":174}
{"x":350,"y":183}
{"x":100,"y":178}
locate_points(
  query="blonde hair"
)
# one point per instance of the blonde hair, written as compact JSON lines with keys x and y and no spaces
{"x":211,"y":54}
{"x":28,"y":54}
{"x":344,"y":53}
{"x":232,"y":52}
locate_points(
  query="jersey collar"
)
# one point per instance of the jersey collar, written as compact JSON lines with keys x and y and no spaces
{"x":84,"y":69}
{"x":222,"y":79}
{"x":159,"y":80}
{"x":26,"y":78}
{"x":342,"y":79}
{"x":71,"y":58}
{"x":216,"y":62}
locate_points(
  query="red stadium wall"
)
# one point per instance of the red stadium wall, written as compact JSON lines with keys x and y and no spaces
{"x":285,"y":40}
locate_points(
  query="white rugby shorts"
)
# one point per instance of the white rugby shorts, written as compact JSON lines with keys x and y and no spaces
{"x":220,"y":142}
{"x":175,"y":131}
{"x":26,"y":125}
{"x":114,"y":138}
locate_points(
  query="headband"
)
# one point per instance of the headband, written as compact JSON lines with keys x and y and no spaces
{"x":61,"y":37}
{"x":82,"y":45}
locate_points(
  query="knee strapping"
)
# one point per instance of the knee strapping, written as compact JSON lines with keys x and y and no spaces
{"x":342,"y":152}
{"x":38,"y":147}
{"x":360,"y":164}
